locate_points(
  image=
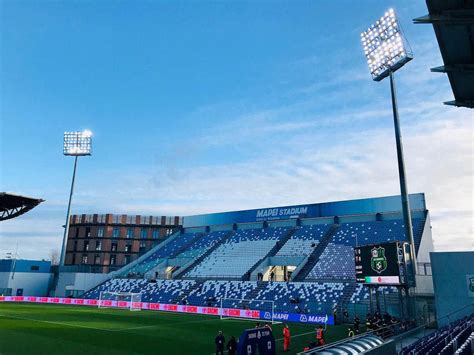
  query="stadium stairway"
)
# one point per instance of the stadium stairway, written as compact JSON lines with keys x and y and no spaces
{"x":261,"y":285}
{"x":273,"y":251}
{"x":175,"y":253}
{"x":345,"y":300}
{"x":181,"y":273}
{"x":313,"y":258}
{"x":183,"y":296}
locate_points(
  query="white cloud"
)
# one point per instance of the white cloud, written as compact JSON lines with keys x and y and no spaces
{"x":316,"y":147}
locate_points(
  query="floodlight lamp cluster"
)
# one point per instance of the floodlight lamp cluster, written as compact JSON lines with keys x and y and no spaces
{"x":385,"y":47}
{"x":77,"y":143}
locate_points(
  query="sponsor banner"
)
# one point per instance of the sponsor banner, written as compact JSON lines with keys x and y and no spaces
{"x":240,"y":313}
{"x":300,"y":318}
{"x":230,"y":312}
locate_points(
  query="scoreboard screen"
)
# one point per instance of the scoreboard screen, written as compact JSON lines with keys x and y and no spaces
{"x":382,"y":264}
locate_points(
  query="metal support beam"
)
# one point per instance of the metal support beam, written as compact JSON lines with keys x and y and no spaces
{"x":402,"y":174}
{"x":458,"y":103}
{"x":462,"y":68}
{"x":444,"y":19}
{"x":68,"y":216}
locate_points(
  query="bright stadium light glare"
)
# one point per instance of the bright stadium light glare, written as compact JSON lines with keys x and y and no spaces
{"x":77,"y":143}
{"x":385,"y":48}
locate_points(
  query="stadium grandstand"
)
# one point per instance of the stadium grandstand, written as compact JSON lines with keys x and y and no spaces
{"x":12,"y":206}
{"x":299,"y":257}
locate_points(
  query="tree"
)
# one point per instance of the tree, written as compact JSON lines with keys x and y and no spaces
{"x":54,"y":256}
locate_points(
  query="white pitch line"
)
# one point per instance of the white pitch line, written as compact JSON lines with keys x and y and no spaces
{"x":298,"y":335}
{"x":171,"y":324}
{"x":51,"y":322}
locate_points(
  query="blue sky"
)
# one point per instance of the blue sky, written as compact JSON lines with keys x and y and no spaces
{"x":208,"y":106}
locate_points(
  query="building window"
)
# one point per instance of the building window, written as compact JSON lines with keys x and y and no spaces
{"x":114,"y":246}
{"x":97,"y":259}
{"x":98,"y":245}
{"x":113,"y":259}
{"x":126,"y":259}
{"x":84,"y":259}
{"x":88,"y":232}
{"x":143,"y":233}
{"x":130,"y":233}
{"x":156,"y":233}
{"x":100,"y":232}
{"x":86,"y":246}
{"x":128,"y":248}
{"x":116,"y":232}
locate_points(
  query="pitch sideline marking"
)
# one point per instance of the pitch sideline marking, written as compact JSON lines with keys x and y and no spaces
{"x":104,"y":329}
{"x":171,"y":324}
{"x":51,"y":322}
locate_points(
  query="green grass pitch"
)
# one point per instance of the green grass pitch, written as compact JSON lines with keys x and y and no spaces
{"x":54,"y":329}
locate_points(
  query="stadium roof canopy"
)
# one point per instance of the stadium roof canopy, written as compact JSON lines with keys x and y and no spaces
{"x":453,"y":23}
{"x":12,"y":206}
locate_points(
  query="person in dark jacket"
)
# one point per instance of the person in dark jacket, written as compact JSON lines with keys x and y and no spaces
{"x":356,"y":324}
{"x":232,"y":346}
{"x":220,"y":341}
{"x":345,"y":315}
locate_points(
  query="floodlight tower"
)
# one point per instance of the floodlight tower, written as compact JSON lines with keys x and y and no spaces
{"x":76,"y":144}
{"x":387,"y":50}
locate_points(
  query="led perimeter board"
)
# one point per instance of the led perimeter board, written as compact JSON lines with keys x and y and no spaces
{"x":382,"y":264}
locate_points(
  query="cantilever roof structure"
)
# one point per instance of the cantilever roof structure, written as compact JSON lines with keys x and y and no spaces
{"x":12,"y":206}
{"x":453,"y":23}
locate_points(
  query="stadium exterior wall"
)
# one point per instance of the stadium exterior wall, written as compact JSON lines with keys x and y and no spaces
{"x":107,"y":242}
{"x":76,"y":283}
{"x":25,"y":283}
{"x":426,"y":246}
{"x":453,"y":278}
{"x":25,"y":277}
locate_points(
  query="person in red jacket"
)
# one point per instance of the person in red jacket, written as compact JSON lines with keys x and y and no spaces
{"x":286,"y":338}
{"x":320,"y":335}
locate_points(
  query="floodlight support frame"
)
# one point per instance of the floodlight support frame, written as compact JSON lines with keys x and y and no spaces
{"x":68,"y":215}
{"x":402,"y":174}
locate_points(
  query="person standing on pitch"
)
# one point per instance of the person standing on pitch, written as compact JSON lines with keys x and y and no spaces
{"x":356,"y":324}
{"x":320,"y":336}
{"x":286,"y":338}
{"x":220,"y":341}
{"x":232,"y":346}
{"x":268,"y":325}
